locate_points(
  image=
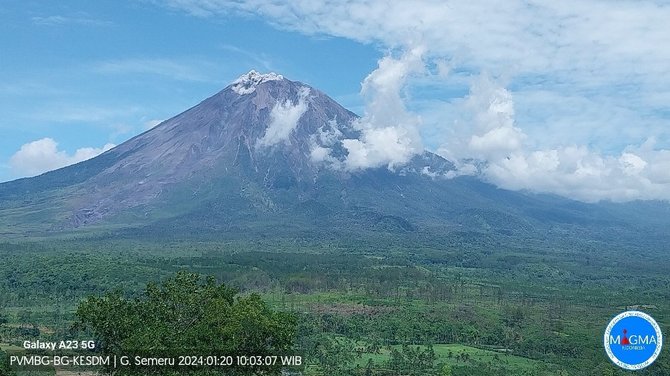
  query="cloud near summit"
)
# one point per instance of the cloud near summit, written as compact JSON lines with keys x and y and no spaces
{"x":389,"y":133}
{"x":564,"y":97}
{"x":284,"y":119}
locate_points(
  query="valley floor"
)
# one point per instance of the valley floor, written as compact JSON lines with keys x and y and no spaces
{"x":379,"y":308}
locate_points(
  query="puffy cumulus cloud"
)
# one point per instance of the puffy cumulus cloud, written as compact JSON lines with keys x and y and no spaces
{"x":576,"y":72}
{"x":585,"y":175}
{"x":487,"y":127}
{"x":284,"y":119}
{"x":491,"y":138}
{"x":43,"y":155}
{"x":497,"y":140}
{"x":388,"y":146}
{"x":389,"y":133}
{"x":631,"y":164}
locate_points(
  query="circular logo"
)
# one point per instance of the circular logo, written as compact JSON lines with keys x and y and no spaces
{"x":633,"y":340}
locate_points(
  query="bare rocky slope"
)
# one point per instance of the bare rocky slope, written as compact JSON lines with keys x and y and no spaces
{"x":242,"y":161}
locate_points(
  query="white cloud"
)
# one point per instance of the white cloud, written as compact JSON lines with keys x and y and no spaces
{"x":585,"y":84}
{"x":638,"y":172}
{"x":489,"y":131}
{"x":330,"y":135}
{"x":320,"y":154}
{"x":378,"y":147}
{"x":577,"y":172}
{"x":284,"y":119}
{"x":43,"y":155}
{"x":497,"y":140}
{"x":516,"y":35}
{"x":631,"y":164}
{"x":323,"y":141}
{"x":389,"y":133}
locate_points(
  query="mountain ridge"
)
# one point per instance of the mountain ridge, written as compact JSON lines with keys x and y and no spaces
{"x":245,"y":157}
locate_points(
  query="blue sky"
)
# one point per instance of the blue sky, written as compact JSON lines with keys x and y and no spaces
{"x":564,"y":97}
{"x":90,"y":73}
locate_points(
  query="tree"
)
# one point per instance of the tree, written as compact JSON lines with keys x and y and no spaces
{"x":190,"y":317}
{"x":335,"y":355}
{"x":4,"y":365}
{"x":413,"y":361}
{"x":514,"y":317}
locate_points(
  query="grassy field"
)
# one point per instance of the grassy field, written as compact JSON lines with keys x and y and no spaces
{"x":452,"y":354}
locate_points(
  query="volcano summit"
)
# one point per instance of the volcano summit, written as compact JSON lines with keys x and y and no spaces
{"x":268,"y":153}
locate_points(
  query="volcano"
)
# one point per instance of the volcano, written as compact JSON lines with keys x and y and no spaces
{"x":261,"y":156}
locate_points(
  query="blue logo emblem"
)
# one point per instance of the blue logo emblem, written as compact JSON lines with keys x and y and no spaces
{"x":633,"y":340}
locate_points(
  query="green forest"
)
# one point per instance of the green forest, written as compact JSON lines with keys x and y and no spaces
{"x":377,"y":305}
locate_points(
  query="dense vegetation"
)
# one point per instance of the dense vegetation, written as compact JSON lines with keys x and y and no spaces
{"x":381,"y":305}
{"x":185,"y":317}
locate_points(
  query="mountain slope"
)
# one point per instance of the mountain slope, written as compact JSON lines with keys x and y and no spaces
{"x":244,"y":159}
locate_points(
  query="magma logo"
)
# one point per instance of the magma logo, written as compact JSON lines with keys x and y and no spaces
{"x":633,"y":340}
